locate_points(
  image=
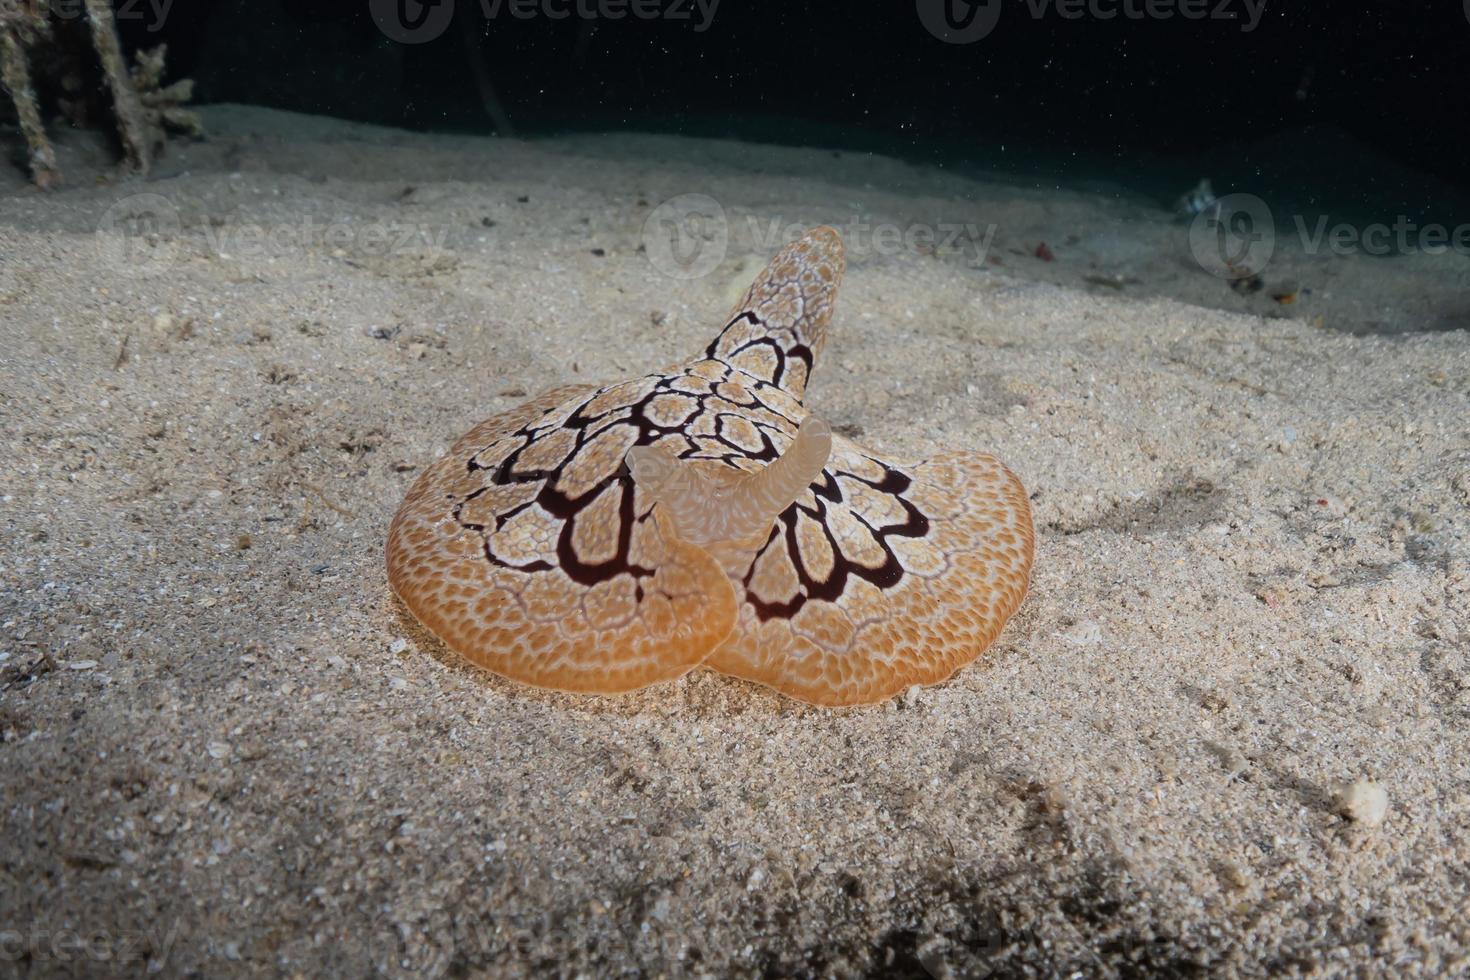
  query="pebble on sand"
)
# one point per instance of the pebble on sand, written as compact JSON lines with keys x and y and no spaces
{"x":1363,"y":802}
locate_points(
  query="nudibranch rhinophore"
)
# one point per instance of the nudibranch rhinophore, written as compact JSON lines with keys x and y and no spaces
{"x":602,"y":539}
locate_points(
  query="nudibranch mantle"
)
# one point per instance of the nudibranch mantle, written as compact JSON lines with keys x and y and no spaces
{"x":600,"y":539}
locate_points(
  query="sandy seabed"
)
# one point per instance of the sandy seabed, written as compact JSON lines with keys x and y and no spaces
{"x":225,"y":748}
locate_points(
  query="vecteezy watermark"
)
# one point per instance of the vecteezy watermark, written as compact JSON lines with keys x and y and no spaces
{"x":1403,"y":237}
{"x":960,"y":21}
{"x":420,"y":21}
{"x":412,"y":21}
{"x":350,"y":239}
{"x":688,"y":236}
{"x":140,"y":234}
{"x":965,"y":22}
{"x":152,"y":13}
{"x":436,"y":944}
{"x":701,"y":13}
{"x":399,"y":949}
{"x":96,"y":946}
{"x":1233,"y":238}
{"x":864,"y":238}
{"x":685,"y":237}
{"x":1236,"y":237}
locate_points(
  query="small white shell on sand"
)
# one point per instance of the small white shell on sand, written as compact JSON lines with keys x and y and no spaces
{"x":1363,"y":802}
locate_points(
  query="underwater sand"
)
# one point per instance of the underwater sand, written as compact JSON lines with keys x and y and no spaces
{"x":225,"y":748}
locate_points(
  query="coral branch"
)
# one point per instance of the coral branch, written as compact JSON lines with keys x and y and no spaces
{"x":140,"y":138}
{"x":163,"y":105}
{"x":15,"y":76}
{"x":144,"y":108}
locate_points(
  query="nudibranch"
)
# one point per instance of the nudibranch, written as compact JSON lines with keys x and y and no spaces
{"x":600,"y":539}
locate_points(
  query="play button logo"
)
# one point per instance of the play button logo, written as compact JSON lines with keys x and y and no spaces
{"x":962,"y":21}
{"x":412,"y":21}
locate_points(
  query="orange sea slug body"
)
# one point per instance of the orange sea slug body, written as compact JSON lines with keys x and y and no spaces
{"x":550,"y":546}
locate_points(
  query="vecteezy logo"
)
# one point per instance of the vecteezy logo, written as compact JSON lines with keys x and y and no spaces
{"x":412,"y":21}
{"x":140,"y":234}
{"x":403,"y":951}
{"x":686,"y":236}
{"x":961,"y":21}
{"x":1233,"y":238}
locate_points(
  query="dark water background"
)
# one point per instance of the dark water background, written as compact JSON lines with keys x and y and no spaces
{"x":1352,"y":108}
